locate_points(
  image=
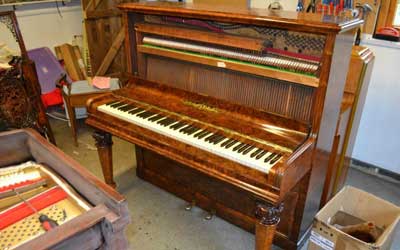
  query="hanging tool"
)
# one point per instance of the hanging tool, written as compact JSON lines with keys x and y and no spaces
{"x":311,"y":6}
{"x":46,"y":222}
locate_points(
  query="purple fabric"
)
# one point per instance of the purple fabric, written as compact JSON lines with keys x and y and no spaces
{"x":48,"y":68}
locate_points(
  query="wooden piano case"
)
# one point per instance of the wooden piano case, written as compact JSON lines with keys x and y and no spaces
{"x":101,"y":227}
{"x":209,"y":55}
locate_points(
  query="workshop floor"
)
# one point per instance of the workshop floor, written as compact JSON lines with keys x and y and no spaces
{"x":159,"y":220}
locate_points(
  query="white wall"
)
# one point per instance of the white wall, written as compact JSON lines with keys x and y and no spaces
{"x":42,"y":26}
{"x":378,"y":137}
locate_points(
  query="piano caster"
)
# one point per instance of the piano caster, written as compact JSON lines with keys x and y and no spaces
{"x":210,"y":215}
{"x":189,"y":206}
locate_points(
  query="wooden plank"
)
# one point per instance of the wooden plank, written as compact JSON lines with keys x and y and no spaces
{"x":203,"y":36}
{"x":237,"y":66}
{"x":112,"y":52}
{"x":80,"y":61}
{"x":71,"y":62}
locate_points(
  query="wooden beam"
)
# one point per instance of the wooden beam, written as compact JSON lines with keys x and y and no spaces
{"x":112,"y":52}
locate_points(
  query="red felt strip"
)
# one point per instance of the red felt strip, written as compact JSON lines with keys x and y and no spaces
{"x":21,"y":211}
{"x":293,"y":54}
{"x":20,"y":184}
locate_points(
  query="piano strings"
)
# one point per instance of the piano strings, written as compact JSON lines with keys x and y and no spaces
{"x":273,"y":60}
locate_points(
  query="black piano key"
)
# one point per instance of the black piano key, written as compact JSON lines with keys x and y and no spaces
{"x":256,"y":152}
{"x":219,"y":139}
{"x":146,"y":114}
{"x":183,"y":129}
{"x":189,"y":130}
{"x":226,"y":142}
{"x":204,"y":134}
{"x":269,"y":157}
{"x":247,"y":150}
{"x":156,"y":118}
{"x":275,"y":159}
{"x":135,"y":111}
{"x":231,"y":144}
{"x":240,"y":150}
{"x":116,"y":104}
{"x":163,"y":120}
{"x":180,"y":125}
{"x":209,"y":138}
{"x":143,"y":113}
{"x":176,"y":125}
{"x":199,"y":133}
{"x":238,"y":146}
{"x":110,"y":103}
{"x":126,"y":107}
{"x":214,"y":138}
{"x":120,"y":105}
{"x":261,"y":155}
{"x":193,"y":130}
{"x":169,"y":122}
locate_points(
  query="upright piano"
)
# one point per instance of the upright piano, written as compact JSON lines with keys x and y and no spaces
{"x":232,"y":109}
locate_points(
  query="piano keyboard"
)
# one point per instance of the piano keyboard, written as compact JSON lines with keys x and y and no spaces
{"x":184,"y":131}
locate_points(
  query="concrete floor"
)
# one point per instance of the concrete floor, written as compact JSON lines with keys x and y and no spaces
{"x":159,"y":221}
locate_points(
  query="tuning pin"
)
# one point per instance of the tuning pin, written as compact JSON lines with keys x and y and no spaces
{"x":189,"y":206}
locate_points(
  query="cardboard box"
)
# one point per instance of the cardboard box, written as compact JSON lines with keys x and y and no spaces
{"x":362,"y":205}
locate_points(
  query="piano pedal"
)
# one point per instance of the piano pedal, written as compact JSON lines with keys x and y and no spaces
{"x":189,"y":206}
{"x":210,"y":215}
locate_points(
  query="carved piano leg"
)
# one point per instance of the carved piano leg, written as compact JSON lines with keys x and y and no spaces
{"x":104,"y":149}
{"x":268,"y":217}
